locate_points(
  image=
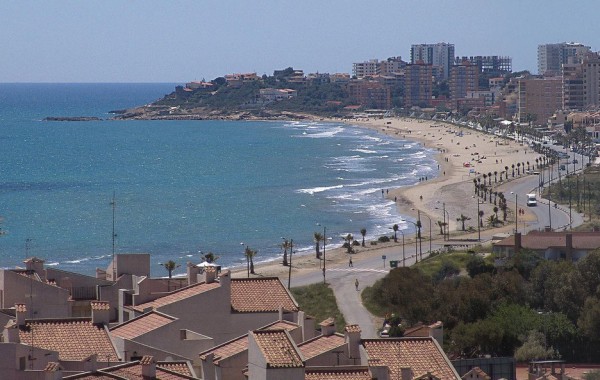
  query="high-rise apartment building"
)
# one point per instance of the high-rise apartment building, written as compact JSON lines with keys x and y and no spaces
{"x":463,"y":78}
{"x":572,"y":78}
{"x":418,"y":85}
{"x":489,"y":63}
{"x":440,"y":54}
{"x":551,"y":57}
{"x":539,"y":98}
{"x":591,"y":80}
{"x":371,"y":94}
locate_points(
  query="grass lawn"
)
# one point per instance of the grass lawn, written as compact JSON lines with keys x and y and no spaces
{"x":318,"y":301}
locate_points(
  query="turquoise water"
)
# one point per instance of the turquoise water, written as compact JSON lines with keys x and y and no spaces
{"x":182,"y":187}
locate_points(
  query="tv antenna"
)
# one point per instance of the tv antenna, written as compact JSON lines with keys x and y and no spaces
{"x":113,"y":204}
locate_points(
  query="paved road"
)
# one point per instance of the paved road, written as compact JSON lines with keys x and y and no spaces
{"x":341,"y":278}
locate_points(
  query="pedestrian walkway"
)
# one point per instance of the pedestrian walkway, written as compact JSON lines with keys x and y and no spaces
{"x":357,"y":270}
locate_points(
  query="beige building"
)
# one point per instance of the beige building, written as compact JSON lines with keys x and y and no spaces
{"x":539,"y":99}
{"x":464,"y":78}
{"x":418,"y":85}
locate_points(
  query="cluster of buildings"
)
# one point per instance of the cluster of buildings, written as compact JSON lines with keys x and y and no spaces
{"x":123,"y":324}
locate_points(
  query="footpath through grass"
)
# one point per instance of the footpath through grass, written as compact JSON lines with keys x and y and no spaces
{"x":318,"y":301}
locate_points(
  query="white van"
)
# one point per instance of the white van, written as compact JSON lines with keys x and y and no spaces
{"x":531,"y":201}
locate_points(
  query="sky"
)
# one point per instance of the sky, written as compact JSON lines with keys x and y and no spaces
{"x":177,"y":41}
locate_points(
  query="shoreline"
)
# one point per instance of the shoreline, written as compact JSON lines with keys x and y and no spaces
{"x":452,"y":190}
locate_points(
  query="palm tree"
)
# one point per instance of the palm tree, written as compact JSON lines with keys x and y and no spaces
{"x":490,"y":178}
{"x":250,"y":253}
{"x":285,"y":245}
{"x":363,"y":232}
{"x":441,"y":225}
{"x":484,"y":178}
{"x":481,"y":218}
{"x":210,"y":257}
{"x":395,"y":228}
{"x":506,"y":169}
{"x":462,"y":219}
{"x":170,"y":266}
{"x":527,"y":165}
{"x":536,"y":163}
{"x":349,"y":239}
{"x":496,"y":176}
{"x":518,"y":168}
{"x":475,"y":183}
{"x":318,"y":238}
{"x":513,"y":170}
{"x":496,"y":211}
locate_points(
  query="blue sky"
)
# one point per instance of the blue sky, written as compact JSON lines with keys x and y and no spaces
{"x":184,"y":40}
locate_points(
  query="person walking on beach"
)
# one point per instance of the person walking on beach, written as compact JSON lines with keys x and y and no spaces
{"x":356,"y":284}
{"x":350,"y":263}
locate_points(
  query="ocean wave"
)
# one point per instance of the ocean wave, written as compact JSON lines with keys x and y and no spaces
{"x":325,"y":134}
{"x":315,"y":190}
{"x":364,"y":151}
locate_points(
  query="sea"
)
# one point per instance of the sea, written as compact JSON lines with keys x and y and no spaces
{"x":180,"y":189}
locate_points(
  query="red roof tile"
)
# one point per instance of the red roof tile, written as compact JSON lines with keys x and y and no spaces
{"x":260,"y":295}
{"x":100,"y":305}
{"x":544,"y":240}
{"x":141,"y":325}
{"x":74,"y":339}
{"x":422,"y":355}
{"x":278,"y":349}
{"x":281,"y":325}
{"x":338,"y":374}
{"x":321,"y":344}
{"x":352,"y":328}
{"x":177,"y":295}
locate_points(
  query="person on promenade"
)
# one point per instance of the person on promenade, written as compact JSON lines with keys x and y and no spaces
{"x":356,"y":284}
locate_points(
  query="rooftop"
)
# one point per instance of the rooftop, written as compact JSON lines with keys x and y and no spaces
{"x":133,"y":371}
{"x":321,"y":344}
{"x":141,"y":325}
{"x":278,"y":349}
{"x":260,"y":295}
{"x":75,"y":339}
{"x":422,"y":355}
{"x":544,"y":240}
{"x":177,"y":295}
{"x":360,"y":373}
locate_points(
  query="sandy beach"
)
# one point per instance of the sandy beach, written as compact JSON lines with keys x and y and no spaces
{"x":463,"y":154}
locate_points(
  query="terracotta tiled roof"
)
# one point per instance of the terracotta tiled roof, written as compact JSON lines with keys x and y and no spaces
{"x":52,"y":367}
{"x":21,"y":308}
{"x":260,"y":295}
{"x":422,"y":355}
{"x":74,"y":339}
{"x":227,"y":349}
{"x":338,"y":374}
{"x":178,"y":295}
{"x":278,"y":349}
{"x":141,"y":325}
{"x":321,"y":344}
{"x":476,"y":372}
{"x":133,"y":371}
{"x":281,"y":325}
{"x":176,"y":366}
{"x":100,"y":305}
{"x":328,"y":322}
{"x":240,"y":344}
{"x":352,"y":328}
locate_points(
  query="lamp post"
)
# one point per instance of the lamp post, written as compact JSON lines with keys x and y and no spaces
{"x":290,"y":267}
{"x":403,"y":254}
{"x":324,"y":246}
{"x":516,"y":212}
{"x":425,"y":215}
{"x":416,"y":238}
{"x":478,"y":221}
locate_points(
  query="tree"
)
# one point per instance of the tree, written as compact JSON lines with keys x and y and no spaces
{"x":250,"y":253}
{"x":348,"y":242}
{"x":318,"y":238}
{"x":210,"y":257}
{"x":363,"y":232}
{"x":513,"y":170}
{"x":170,"y":266}
{"x":395,"y":228}
{"x":285,"y":246}
{"x":441,"y":225}
{"x":477,"y":265}
{"x":589,"y":319}
{"x":534,"y":348}
{"x":496,"y":176}
{"x":462,"y":219}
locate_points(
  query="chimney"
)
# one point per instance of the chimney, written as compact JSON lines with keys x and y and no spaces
{"x":517,"y":243}
{"x":379,"y":371}
{"x":100,"y":312}
{"x":52,"y":371}
{"x":353,"y":340}
{"x":20,"y":313}
{"x":90,"y":364}
{"x":225,"y":280}
{"x":407,"y":373}
{"x":327,"y":327}
{"x":210,"y":275}
{"x":11,"y":333}
{"x":569,"y":244}
{"x":148,"y":367}
{"x":192,"y":273}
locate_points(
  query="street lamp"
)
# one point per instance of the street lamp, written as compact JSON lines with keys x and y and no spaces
{"x":416,"y":237}
{"x":290,"y":267}
{"x":425,"y":215}
{"x":403,"y":254}
{"x":324,"y":245}
{"x":247,"y":258}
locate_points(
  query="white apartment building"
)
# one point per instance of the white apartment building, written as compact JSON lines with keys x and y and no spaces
{"x":440,"y":55}
{"x":551,"y":57}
